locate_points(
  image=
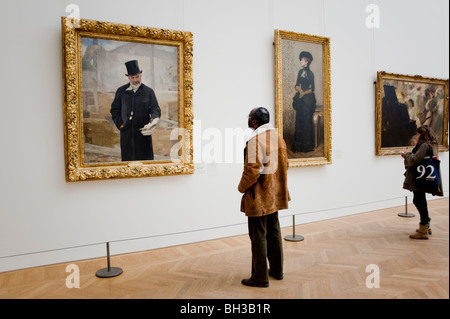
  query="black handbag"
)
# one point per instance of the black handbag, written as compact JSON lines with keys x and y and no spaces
{"x":427,"y":176}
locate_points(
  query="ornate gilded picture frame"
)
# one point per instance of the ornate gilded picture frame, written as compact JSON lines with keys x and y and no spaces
{"x":404,"y":103}
{"x":303,"y":97}
{"x":105,"y":111}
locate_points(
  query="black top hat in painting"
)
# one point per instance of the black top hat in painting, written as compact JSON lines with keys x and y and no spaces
{"x":132,"y":68}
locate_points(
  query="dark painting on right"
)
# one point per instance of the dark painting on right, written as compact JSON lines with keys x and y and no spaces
{"x":404,"y":103}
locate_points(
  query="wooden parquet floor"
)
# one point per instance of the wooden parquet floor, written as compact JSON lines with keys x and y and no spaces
{"x":329,"y":264}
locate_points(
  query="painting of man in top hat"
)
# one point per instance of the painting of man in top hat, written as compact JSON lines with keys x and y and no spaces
{"x":135,"y":112}
{"x":128,"y":107}
{"x":130,"y":100}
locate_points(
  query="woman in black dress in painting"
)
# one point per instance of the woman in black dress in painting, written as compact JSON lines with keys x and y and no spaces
{"x":304,"y":103}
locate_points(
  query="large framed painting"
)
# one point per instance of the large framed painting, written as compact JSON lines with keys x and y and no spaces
{"x":404,"y":103}
{"x":303,"y":97}
{"x":127,"y":100}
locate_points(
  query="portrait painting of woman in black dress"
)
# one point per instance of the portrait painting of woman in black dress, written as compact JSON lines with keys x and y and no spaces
{"x":304,"y":103}
{"x":303,"y":97}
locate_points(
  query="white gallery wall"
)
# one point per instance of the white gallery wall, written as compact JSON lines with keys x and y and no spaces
{"x":44,"y":219}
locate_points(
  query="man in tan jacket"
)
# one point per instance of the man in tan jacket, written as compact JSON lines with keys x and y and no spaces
{"x":264,"y":184}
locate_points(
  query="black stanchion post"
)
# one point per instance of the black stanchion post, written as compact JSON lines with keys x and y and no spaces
{"x":109,"y":271}
{"x":294,"y":237}
{"x":405,"y":214}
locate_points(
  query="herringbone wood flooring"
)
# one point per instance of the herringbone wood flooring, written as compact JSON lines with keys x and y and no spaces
{"x":330,"y":263}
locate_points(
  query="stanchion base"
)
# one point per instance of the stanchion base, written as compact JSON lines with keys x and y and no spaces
{"x":406,"y":215}
{"x":294,"y":238}
{"x":112,"y":272}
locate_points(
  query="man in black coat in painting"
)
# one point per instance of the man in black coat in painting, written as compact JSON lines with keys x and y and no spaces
{"x":136,"y":112}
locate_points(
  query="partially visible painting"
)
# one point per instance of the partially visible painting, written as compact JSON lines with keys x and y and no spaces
{"x":303,"y":97}
{"x":404,"y":103}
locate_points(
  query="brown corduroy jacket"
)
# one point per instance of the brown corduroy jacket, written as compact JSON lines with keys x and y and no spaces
{"x":264,"y":179}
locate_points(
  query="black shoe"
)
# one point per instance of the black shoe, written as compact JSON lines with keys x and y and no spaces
{"x":252,"y":283}
{"x":277,"y":277}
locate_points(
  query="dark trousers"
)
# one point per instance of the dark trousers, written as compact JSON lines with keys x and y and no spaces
{"x":420,"y":201}
{"x":265,"y":236}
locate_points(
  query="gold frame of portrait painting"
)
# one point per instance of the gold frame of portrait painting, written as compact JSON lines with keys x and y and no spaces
{"x":403,"y":103}
{"x":175,"y":133}
{"x":315,"y":139}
